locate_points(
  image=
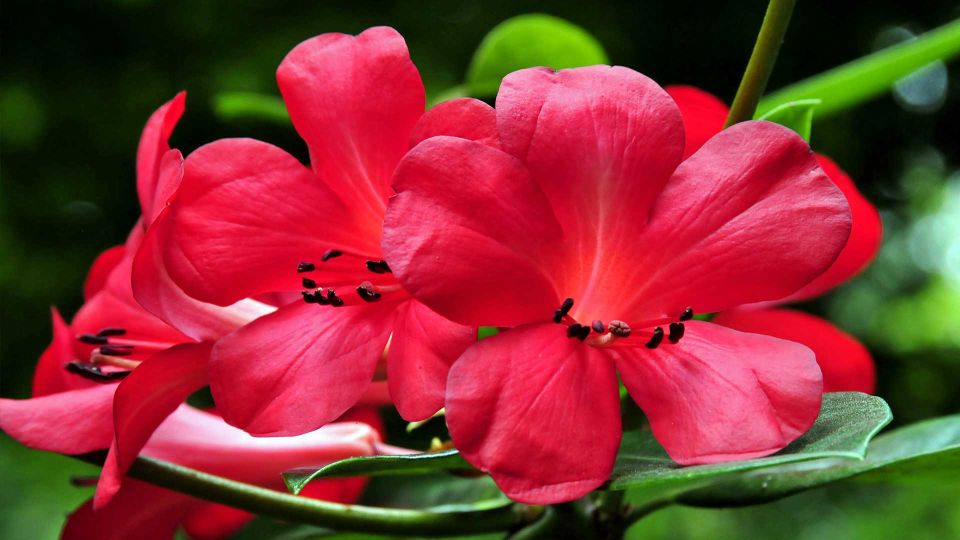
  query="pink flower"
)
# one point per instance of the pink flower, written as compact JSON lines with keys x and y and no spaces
{"x":846,"y":364}
{"x":583,"y":211}
{"x":250,"y":220}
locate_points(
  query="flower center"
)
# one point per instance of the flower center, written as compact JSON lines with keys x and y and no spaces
{"x":112,"y":356}
{"x":367,"y":291}
{"x":618,"y":332}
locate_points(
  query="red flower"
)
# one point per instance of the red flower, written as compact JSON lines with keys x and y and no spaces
{"x":846,"y":364}
{"x":584,"y":196}
{"x":249,"y":220}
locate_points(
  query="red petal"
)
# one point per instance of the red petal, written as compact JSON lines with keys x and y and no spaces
{"x":864,"y":242}
{"x":466,"y":118}
{"x":143,"y":400}
{"x":101,"y":269}
{"x":215,"y":521}
{"x":150,"y":152}
{"x":538,"y":411}
{"x":51,"y":375}
{"x":139,"y":511}
{"x":469,"y":234}
{"x":72,"y":422}
{"x":703,"y":115}
{"x":846,"y":364}
{"x":203,"y":441}
{"x":299,"y":368}
{"x":721,"y":395}
{"x":355,"y":101}
{"x":423,"y":347}
{"x":107,"y":310}
{"x":245,"y":215}
{"x":749,"y":217}
{"x":155,"y":290}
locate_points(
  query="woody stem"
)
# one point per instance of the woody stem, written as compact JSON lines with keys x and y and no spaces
{"x":764,"y":55}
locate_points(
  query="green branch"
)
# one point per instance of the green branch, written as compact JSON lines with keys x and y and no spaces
{"x":860,"y":80}
{"x":341,"y":517}
{"x":761,"y":62}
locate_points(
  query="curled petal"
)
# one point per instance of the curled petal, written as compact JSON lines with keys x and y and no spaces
{"x":538,"y":411}
{"x":151,"y":150}
{"x":722,"y":395}
{"x":846,"y":364}
{"x":466,"y":118}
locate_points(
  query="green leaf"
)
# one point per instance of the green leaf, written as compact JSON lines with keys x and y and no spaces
{"x":528,"y":41}
{"x":796,"y":115}
{"x":926,"y":451}
{"x":855,"y":82}
{"x":297,"y":479}
{"x":234,"y":106}
{"x":435,"y":492}
{"x":846,"y":424}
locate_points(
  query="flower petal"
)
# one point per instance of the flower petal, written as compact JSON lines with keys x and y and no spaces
{"x":106,"y":309}
{"x":354,"y":100}
{"x":151,"y":150}
{"x":422,"y":349}
{"x":846,"y":364}
{"x":72,"y":422}
{"x":703,"y":115}
{"x":466,"y":118}
{"x":51,"y":375}
{"x":101,"y":269}
{"x":300,"y":367}
{"x":143,"y":400}
{"x":721,"y":395}
{"x":139,"y":511}
{"x":470,"y":235}
{"x":538,"y":411}
{"x":214,"y":521}
{"x":861,"y":247}
{"x":749,"y":217}
{"x":245,"y":215}
{"x":156,"y":291}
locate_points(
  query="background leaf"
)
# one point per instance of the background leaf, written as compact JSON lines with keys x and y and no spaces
{"x":846,"y":424}
{"x":529,"y":41}
{"x":796,"y":115}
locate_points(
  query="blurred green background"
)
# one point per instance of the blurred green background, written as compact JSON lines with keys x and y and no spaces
{"x":78,"y":81}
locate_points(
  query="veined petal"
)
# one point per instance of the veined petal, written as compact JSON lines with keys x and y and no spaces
{"x":861,"y":247}
{"x":466,"y":118}
{"x":72,"y":422}
{"x":749,"y":217}
{"x":846,"y":364}
{"x":300,"y":367}
{"x":470,"y":235}
{"x":703,"y":115}
{"x":153,"y":145}
{"x":143,"y":400}
{"x":538,"y":411}
{"x":722,"y":395}
{"x":246,"y":214}
{"x":354,"y":100}
{"x":423,"y":347}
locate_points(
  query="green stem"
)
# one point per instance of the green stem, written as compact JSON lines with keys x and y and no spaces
{"x":230,"y":106}
{"x":342,"y":517}
{"x":857,"y":81}
{"x":761,"y":62}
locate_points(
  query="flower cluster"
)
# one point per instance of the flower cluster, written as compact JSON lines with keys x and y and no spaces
{"x":607,"y":227}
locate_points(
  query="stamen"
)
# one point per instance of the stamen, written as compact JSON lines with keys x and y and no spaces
{"x":378,"y":267}
{"x":687,"y":314}
{"x":597,"y":326}
{"x":315,"y":297}
{"x":333,"y":299}
{"x":367,"y":292}
{"x":111,"y":331}
{"x":91,"y":339}
{"x":676,"y":332}
{"x":563,"y":310}
{"x":305,"y":266}
{"x":656,"y":338}
{"x":579,"y":331}
{"x":88,"y":371}
{"x":117,"y":350}
{"x":619,"y":329}
{"x":330,"y":254}
{"x":308,"y":283}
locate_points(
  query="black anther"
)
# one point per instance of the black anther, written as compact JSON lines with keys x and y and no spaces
{"x":333,"y":299}
{"x":330,"y":254}
{"x":91,"y":339}
{"x":676,"y":332}
{"x":368,"y":292}
{"x":656,"y":338}
{"x":116,"y":350}
{"x":562,"y":311}
{"x":111,"y":331}
{"x":687,"y":314}
{"x":378,"y":267}
{"x":305,"y":266}
{"x":92,"y":372}
{"x":308,"y":283}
